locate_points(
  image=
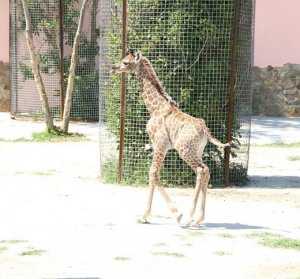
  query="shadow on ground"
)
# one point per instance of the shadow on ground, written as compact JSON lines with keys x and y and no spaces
{"x":274,"y":182}
{"x":231,"y":226}
{"x":75,"y":278}
{"x":227,"y":226}
{"x":266,"y":130}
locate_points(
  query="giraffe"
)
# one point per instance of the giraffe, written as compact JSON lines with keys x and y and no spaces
{"x":170,"y":128}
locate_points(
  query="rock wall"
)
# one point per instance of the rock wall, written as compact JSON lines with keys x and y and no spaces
{"x":276,"y":90}
{"x":4,"y":87}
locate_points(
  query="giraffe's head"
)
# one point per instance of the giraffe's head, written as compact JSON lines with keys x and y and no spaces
{"x":128,"y":63}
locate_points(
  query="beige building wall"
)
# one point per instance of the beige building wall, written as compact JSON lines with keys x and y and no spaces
{"x":277,"y":32}
{"x":4,"y":30}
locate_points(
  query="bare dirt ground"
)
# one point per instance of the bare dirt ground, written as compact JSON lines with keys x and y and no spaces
{"x":58,"y":221}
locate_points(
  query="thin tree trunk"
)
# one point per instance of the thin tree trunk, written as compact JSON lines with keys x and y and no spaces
{"x":35,"y":59}
{"x":71,"y":77}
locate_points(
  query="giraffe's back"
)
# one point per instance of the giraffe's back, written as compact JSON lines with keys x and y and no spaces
{"x":184,"y":129}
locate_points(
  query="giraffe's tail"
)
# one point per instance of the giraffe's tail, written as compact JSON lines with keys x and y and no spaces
{"x":215,"y":141}
{"x":202,"y":127}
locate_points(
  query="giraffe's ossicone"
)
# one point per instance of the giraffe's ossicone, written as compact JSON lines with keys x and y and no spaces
{"x":170,"y":128}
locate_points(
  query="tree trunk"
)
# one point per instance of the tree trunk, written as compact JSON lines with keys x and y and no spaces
{"x":35,"y":59}
{"x":71,"y":77}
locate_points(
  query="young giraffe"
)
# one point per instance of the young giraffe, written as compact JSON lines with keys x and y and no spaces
{"x":169,"y":127}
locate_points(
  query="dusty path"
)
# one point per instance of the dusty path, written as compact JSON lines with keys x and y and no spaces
{"x":58,"y":221}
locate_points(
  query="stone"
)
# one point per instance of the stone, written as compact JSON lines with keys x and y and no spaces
{"x":276,"y":90}
{"x":4,"y":87}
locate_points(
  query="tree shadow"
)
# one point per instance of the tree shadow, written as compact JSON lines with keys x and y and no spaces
{"x":274,"y":182}
{"x":273,"y":128}
{"x":277,"y":122}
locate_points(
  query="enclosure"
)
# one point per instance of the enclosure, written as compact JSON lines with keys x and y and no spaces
{"x":54,"y":24}
{"x":202,"y":53}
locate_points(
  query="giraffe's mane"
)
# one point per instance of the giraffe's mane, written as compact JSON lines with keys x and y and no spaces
{"x":152,"y":77}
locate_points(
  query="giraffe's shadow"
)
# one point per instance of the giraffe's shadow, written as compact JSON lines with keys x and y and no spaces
{"x":207,"y":226}
{"x":225,"y":226}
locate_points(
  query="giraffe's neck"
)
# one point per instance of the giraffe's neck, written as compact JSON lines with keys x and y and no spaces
{"x":153,"y":93}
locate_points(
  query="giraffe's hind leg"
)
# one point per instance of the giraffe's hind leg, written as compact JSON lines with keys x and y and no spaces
{"x":204,"y":184}
{"x":194,"y":160}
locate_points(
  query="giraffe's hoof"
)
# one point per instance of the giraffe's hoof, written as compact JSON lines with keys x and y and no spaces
{"x":143,"y":220}
{"x":198,"y":223}
{"x":187,"y":223}
{"x":195,"y":226}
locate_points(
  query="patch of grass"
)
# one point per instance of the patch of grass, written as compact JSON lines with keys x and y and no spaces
{"x":3,"y":248}
{"x":189,"y":235}
{"x":121,"y":258}
{"x":160,"y":244}
{"x":276,"y":241}
{"x":46,"y":172}
{"x":222,"y":253}
{"x":168,"y":254}
{"x":194,"y":233}
{"x":39,"y":173}
{"x":32,"y":252}
{"x":279,"y":144}
{"x":294,"y":158}
{"x":226,"y":235}
{"x":13,"y":241}
{"x":54,"y":136}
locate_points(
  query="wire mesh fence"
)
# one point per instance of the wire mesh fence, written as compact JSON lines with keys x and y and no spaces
{"x":201,"y":51}
{"x":24,"y":96}
{"x":54,"y":23}
{"x":190,"y":45}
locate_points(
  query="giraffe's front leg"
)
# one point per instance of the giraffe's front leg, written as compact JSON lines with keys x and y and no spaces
{"x":145,"y":218}
{"x":154,"y":181}
{"x":157,"y":161}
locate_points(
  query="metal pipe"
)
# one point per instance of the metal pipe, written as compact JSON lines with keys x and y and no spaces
{"x":123,"y":93}
{"x":61,"y":56}
{"x":232,"y":86}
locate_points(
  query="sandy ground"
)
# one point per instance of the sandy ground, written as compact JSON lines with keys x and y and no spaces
{"x":76,"y":228}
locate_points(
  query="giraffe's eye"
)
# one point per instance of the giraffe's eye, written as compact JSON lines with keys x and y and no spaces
{"x":126,"y":63}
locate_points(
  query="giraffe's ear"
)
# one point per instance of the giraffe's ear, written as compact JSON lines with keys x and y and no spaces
{"x":138,"y":56}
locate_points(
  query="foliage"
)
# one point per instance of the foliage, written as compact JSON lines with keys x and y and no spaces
{"x":189,"y":48}
{"x":32,"y":252}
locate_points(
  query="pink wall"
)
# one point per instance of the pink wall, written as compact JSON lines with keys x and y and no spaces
{"x":277,"y":32}
{"x":4,"y":23}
